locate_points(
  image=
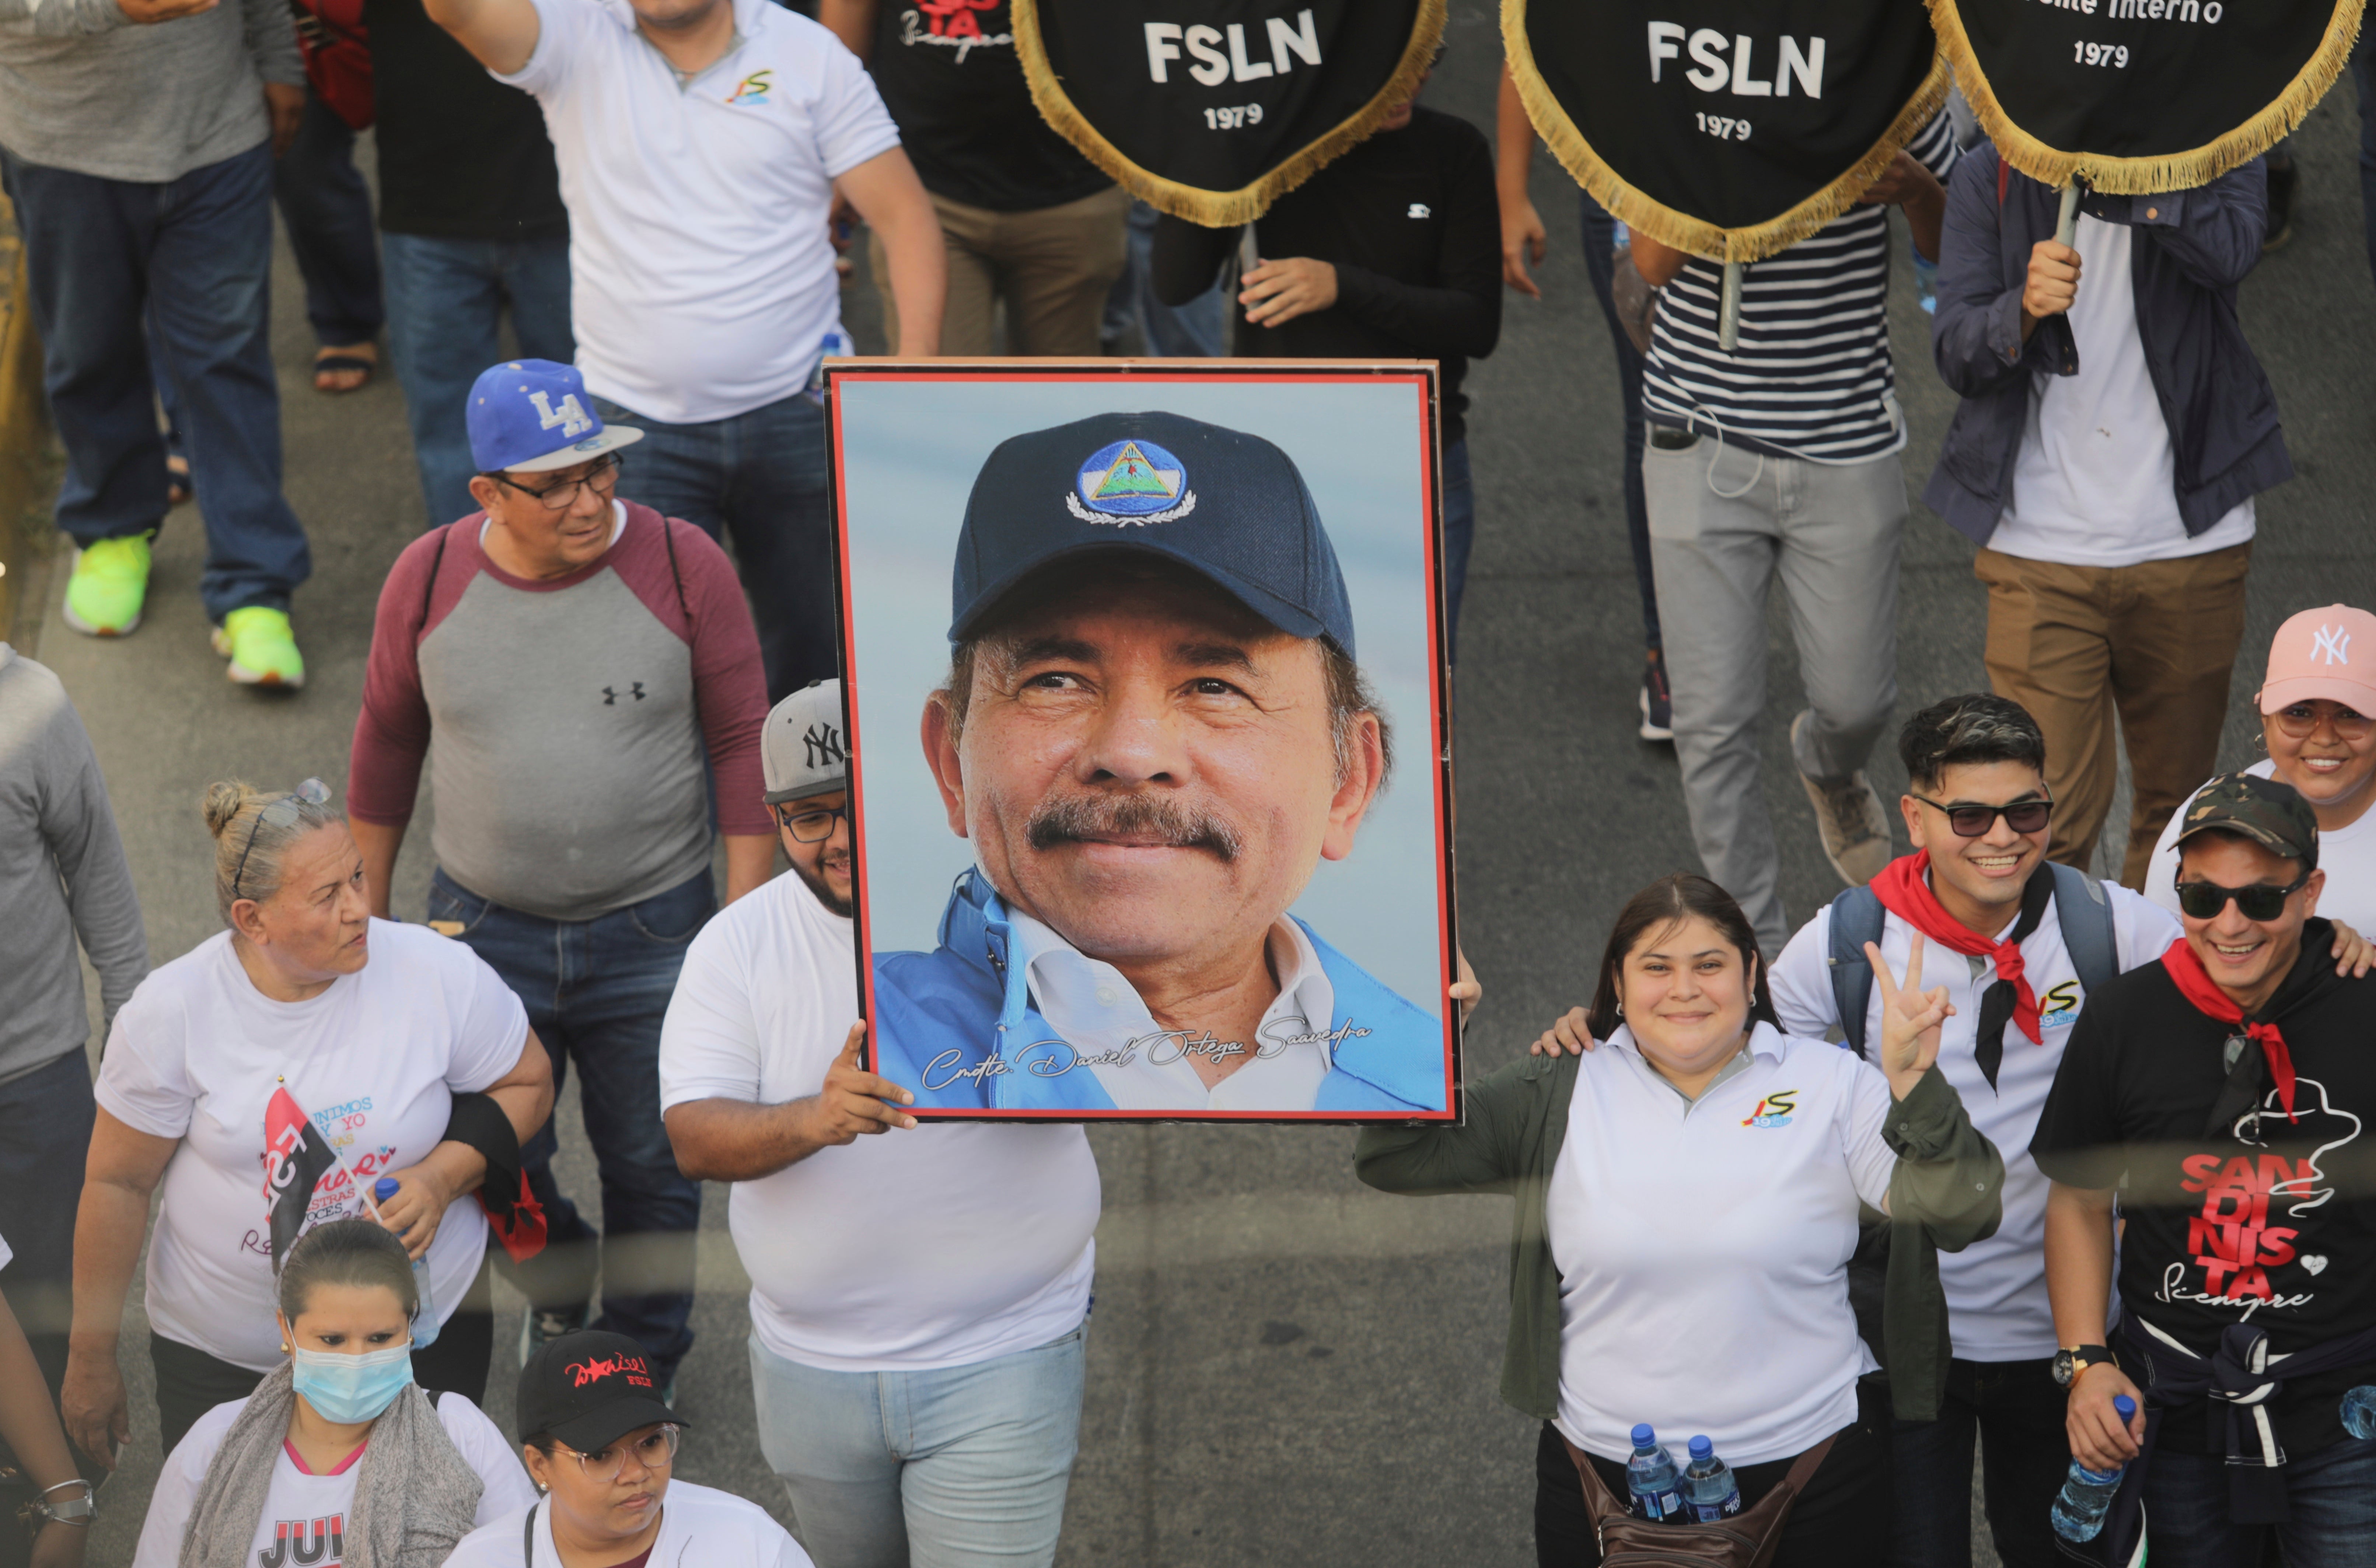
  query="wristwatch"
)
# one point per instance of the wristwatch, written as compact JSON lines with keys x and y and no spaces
{"x":2069,"y":1362}
{"x":76,"y":1510}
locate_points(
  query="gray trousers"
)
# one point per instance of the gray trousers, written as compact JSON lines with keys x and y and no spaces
{"x":1830,"y":530}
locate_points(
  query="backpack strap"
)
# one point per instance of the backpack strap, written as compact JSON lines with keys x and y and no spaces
{"x":2085,"y":913}
{"x":436,"y":559}
{"x":527,"y":1538}
{"x":1856,"y":917}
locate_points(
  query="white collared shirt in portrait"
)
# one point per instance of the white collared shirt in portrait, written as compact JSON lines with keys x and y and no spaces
{"x":1099,"y":1013}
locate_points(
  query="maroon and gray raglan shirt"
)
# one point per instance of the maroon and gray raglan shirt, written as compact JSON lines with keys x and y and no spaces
{"x":566,"y":722}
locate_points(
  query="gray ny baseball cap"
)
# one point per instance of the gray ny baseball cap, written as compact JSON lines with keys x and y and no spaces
{"x":804,"y":748}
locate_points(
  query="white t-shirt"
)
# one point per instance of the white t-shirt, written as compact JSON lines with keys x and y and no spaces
{"x":938,"y":1245}
{"x":2094,"y":483}
{"x":376,"y":1061}
{"x":304,"y":1518}
{"x":1702,"y":1248}
{"x":701,"y":276}
{"x":1099,"y":1013}
{"x":1997,"y":1308}
{"x":2348,"y":855}
{"x":700,"y":1528}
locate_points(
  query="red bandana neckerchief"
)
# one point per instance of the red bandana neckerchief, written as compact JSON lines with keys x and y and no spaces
{"x":1904,"y":889}
{"x":2194,"y":983}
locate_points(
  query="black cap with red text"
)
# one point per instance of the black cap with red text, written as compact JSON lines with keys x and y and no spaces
{"x":590,"y":1389}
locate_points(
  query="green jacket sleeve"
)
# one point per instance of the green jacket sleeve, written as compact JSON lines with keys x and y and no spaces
{"x":1484,"y":1152}
{"x":1946,"y":1192}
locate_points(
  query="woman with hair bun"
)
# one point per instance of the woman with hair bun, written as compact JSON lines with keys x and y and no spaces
{"x":282,"y":1073}
{"x":337,"y":1456}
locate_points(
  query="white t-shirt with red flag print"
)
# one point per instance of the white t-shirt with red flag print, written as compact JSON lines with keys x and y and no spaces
{"x":374,"y":1062}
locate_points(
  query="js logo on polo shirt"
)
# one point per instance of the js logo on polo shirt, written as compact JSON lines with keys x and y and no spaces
{"x":1131,"y":482}
{"x":752,"y":90}
{"x":2060,"y":1006}
{"x":1773,"y":1111}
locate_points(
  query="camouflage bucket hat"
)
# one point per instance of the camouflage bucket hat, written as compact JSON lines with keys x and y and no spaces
{"x":2270,"y":812}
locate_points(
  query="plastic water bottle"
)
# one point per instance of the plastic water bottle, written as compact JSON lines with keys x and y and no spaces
{"x":2359,"y":1412}
{"x":424,"y":1321}
{"x":2086,"y":1494}
{"x":1650,"y":1477}
{"x":1708,"y":1487}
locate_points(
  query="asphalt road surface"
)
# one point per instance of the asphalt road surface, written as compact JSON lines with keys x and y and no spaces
{"x":1282,"y":1364}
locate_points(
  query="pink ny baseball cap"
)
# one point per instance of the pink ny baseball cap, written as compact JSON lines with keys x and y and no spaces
{"x":2328,"y":653}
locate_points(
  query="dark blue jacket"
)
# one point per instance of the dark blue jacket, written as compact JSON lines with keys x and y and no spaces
{"x":957,"y":1027}
{"x":2193,"y":248}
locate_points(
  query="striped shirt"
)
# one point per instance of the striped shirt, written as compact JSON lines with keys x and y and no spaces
{"x":1811,"y":377}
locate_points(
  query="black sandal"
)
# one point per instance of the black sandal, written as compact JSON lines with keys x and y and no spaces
{"x":335,"y":362}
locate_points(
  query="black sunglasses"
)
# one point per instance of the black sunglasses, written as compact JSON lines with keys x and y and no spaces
{"x":1974,"y":822}
{"x":282,"y":813}
{"x":2203,"y":900}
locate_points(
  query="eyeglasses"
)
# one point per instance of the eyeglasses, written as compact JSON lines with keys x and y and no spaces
{"x":600,"y":478}
{"x":1974,"y":822}
{"x":282,"y":813}
{"x":814,"y":826}
{"x":654,"y":1451}
{"x":2301,"y":720}
{"x":2203,"y":900}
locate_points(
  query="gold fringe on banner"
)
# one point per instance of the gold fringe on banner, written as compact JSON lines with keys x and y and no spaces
{"x":1679,"y":230}
{"x":1218,"y":209}
{"x":2146,"y":176}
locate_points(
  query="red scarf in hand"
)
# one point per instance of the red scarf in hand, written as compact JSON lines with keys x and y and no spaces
{"x":2194,"y":983}
{"x":1904,"y":889}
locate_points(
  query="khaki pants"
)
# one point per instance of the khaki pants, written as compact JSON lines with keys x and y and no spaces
{"x":1054,"y":268}
{"x":2153,"y":643}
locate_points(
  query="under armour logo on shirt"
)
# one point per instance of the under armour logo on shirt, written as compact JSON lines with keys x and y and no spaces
{"x":571,"y":417}
{"x":2334,"y":642}
{"x":634,"y":689}
{"x":1420,"y":209}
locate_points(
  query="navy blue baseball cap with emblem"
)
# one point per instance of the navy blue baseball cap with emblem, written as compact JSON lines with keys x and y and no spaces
{"x":1230,"y":505}
{"x":531,"y":416}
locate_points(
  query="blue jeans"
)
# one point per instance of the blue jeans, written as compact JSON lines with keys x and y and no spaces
{"x":2016,"y":1409}
{"x":961,"y":1468}
{"x":1199,"y":329}
{"x":760,"y":476}
{"x":596,"y":991}
{"x":190,"y":260}
{"x":446,"y":300}
{"x":1459,"y":534}
{"x":2331,"y":1495}
{"x":328,"y":210}
{"x":45,"y":1123}
{"x":1600,"y":246}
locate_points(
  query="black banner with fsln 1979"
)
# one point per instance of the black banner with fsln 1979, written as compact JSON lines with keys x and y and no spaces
{"x":1728,"y":128}
{"x":1211,"y":110}
{"x":2140,"y":96}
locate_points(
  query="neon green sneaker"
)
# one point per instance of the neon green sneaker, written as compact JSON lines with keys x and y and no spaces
{"x":109,"y":587}
{"x":261,"y":649}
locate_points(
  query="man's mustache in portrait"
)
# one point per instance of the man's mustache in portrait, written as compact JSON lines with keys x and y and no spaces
{"x":1078,"y":819}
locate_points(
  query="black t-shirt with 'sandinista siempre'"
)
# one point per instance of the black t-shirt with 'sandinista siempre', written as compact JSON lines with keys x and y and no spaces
{"x":2234,"y":1213}
{"x":948,"y":72}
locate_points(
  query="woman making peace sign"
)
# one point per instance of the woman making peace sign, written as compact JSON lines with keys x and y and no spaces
{"x":1688,"y":1200}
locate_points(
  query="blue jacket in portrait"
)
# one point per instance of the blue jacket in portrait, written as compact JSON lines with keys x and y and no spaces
{"x":955,"y":1017}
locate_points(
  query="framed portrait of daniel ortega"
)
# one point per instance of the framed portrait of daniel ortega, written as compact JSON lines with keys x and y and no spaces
{"x":1149,"y":765}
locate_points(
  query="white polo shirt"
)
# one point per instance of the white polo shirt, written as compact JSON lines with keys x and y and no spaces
{"x":932,"y":1246}
{"x":1702,"y":1248}
{"x":701,"y":276}
{"x":1997,"y":1308}
{"x":700,"y":1528}
{"x":1143,"y":1066}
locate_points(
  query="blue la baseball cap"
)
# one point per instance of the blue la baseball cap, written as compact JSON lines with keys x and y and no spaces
{"x":1228,"y":505}
{"x":527,"y":416}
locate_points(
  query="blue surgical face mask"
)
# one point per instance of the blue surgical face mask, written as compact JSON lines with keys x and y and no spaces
{"x":350,"y":1390}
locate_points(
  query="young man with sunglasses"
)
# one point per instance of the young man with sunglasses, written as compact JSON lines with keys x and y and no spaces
{"x":2224,"y":1093}
{"x":586,"y":667}
{"x":601,"y":1443}
{"x":917,"y":1302}
{"x":2317,"y":707}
